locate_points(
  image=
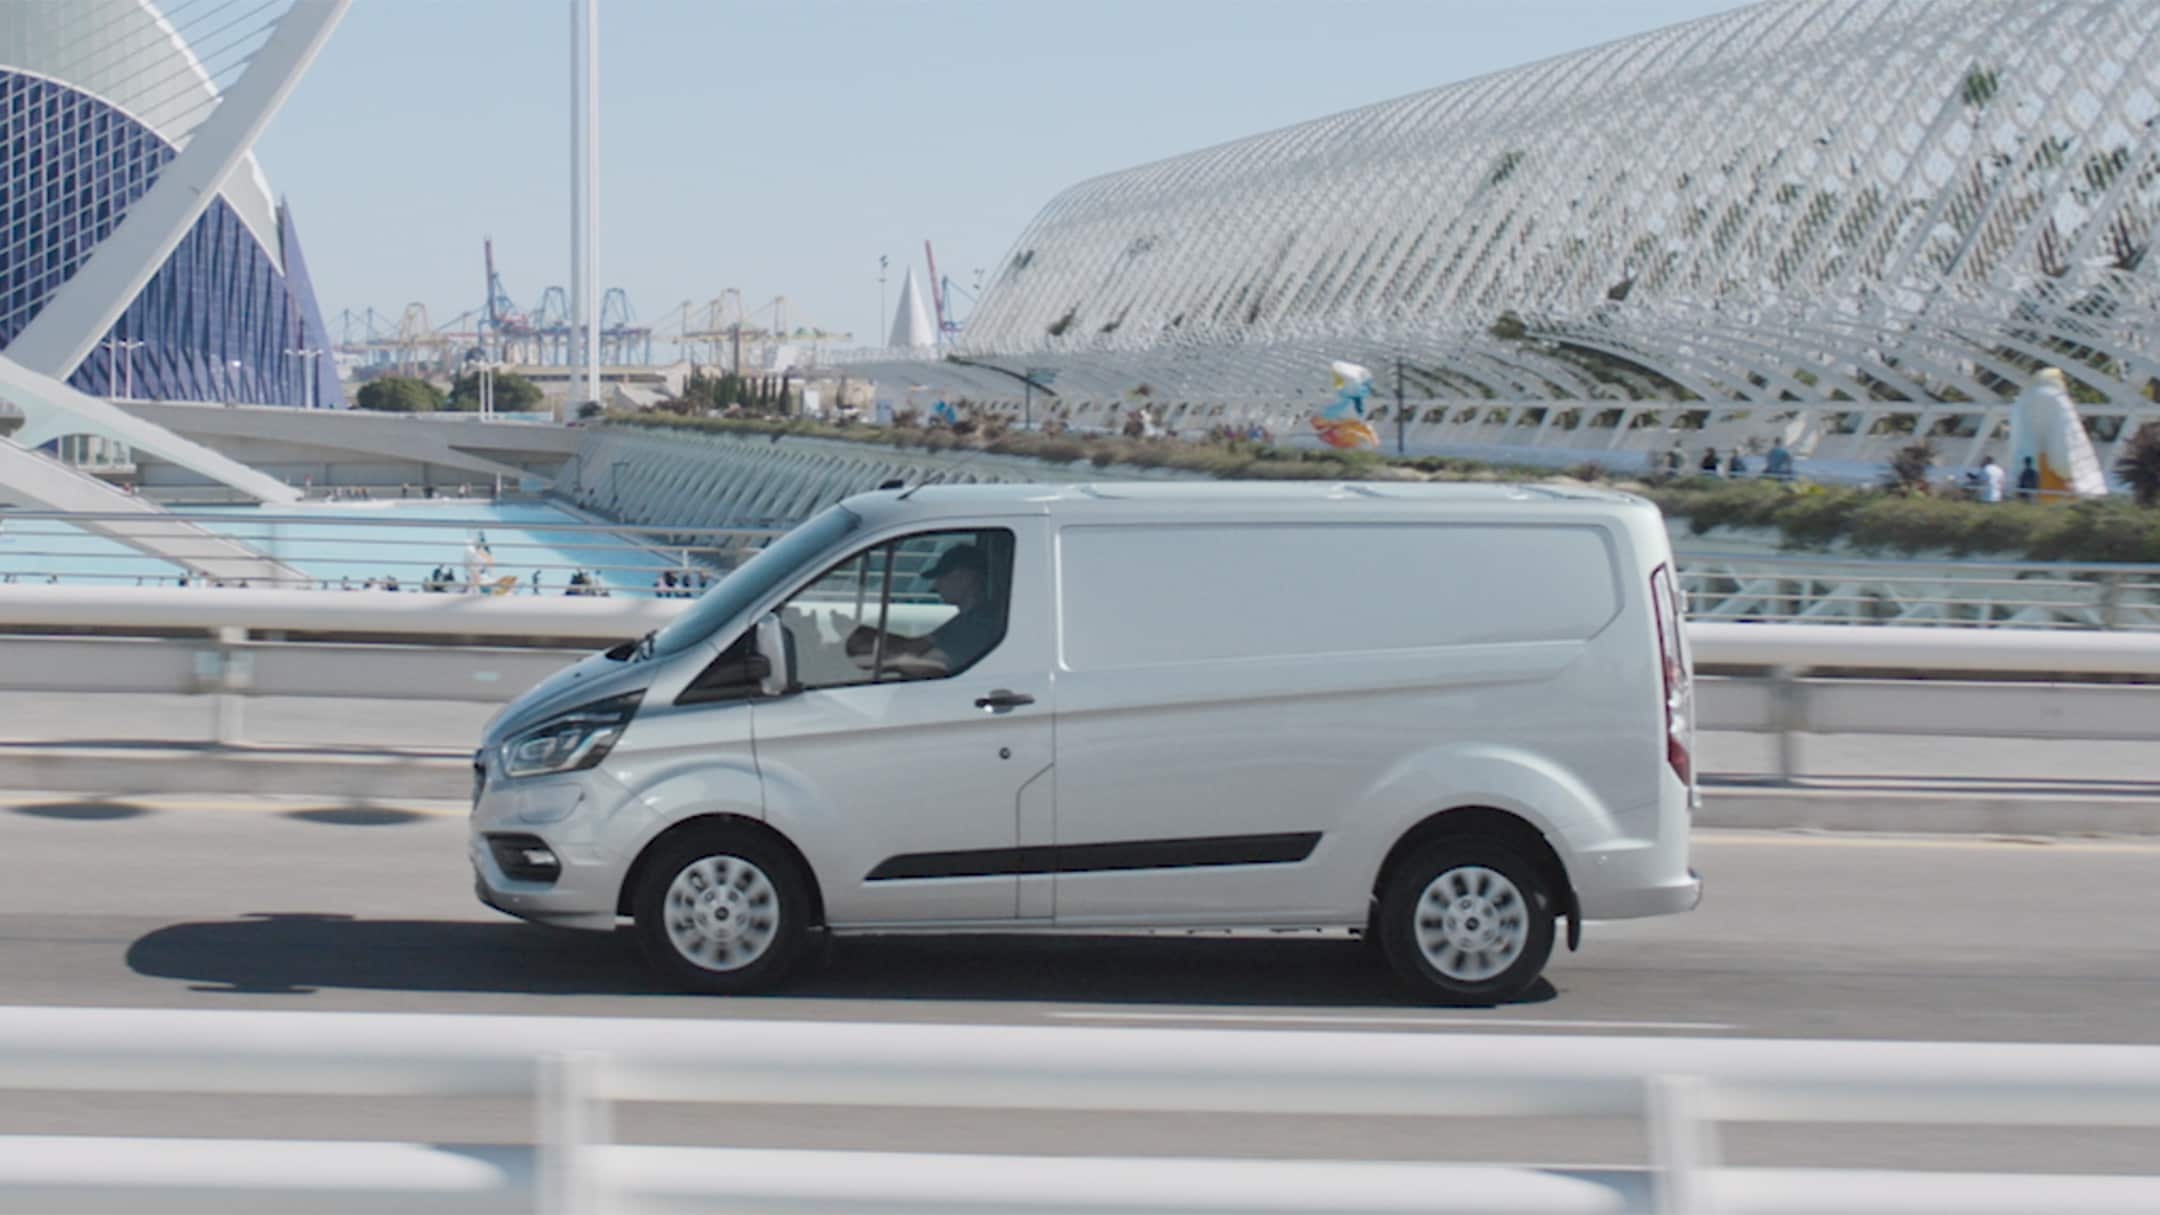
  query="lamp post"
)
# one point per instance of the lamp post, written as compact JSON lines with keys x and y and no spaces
{"x":483,"y":372}
{"x":232,"y":380}
{"x":131,"y":346}
{"x":307,"y":371}
{"x":882,"y":323}
{"x":124,"y":379}
{"x":1400,"y":422}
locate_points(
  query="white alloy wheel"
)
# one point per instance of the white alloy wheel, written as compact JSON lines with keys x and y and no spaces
{"x":722,"y":913}
{"x":1472,"y":923}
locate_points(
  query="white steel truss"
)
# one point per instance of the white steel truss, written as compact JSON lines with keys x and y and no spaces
{"x":1850,"y":206}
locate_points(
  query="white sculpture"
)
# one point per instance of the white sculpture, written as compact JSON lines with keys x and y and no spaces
{"x":2045,"y":428}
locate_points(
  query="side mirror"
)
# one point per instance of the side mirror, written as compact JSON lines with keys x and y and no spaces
{"x":778,"y":677}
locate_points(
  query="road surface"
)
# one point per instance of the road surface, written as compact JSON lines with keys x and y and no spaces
{"x":210,"y":903}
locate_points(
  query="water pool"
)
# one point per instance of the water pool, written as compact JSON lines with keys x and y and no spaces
{"x":341,"y":543}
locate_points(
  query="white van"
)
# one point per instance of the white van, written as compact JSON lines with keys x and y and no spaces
{"x":1444,"y":716}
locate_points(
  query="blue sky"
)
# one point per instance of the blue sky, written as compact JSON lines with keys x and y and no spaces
{"x":780,"y":147}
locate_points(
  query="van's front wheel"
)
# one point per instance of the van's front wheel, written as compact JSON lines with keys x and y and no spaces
{"x":1466,"y":921}
{"x":722,"y":912}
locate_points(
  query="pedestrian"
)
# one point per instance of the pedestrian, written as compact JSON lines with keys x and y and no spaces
{"x":1739,"y":466}
{"x":1778,"y":464}
{"x":2028,"y":481}
{"x":1991,"y":480}
{"x":1709,"y":465}
{"x":477,"y":561}
{"x":1675,"y":459}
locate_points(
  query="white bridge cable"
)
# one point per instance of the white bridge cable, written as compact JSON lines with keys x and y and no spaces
{"x":207,"y":72}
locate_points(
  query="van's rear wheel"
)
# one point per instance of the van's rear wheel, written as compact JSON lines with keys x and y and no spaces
{"x":722,"y":911}
{"x":1466,"y":921}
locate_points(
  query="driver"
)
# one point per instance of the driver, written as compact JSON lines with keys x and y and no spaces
{"x":960,"y":575}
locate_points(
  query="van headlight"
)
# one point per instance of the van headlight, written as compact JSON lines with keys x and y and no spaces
{"x":572,"y":740}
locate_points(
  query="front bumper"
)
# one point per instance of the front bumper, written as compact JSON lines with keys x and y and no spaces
{"x":510,"y":817}
{"x":575,"y":907}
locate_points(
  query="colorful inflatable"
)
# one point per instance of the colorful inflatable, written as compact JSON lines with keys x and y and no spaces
{"x":2044,"y":428}
{"x":1342,"y":423}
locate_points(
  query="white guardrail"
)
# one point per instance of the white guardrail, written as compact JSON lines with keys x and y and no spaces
{"x":575,"y":1069}
{"x":231,"y":643}
{"x":448,"y":618}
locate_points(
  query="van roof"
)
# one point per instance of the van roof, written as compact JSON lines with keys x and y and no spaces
{"x":1079,"y":497}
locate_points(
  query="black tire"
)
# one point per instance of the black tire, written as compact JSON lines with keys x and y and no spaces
{"x":1404,"y":907}
{"x":781,"y":901}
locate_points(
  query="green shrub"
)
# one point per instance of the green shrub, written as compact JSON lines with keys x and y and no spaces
{"x":2100,"y":529}
{"x":1909,"y":468}
{"x":1906,"y":524}
{"x":1816,"y":519}
{"x":399,"y":394}
{"x":1805,"y":516}
{"x":2139,"y":464}
{"x":513,"y":393}
{"x":1712,"y":504}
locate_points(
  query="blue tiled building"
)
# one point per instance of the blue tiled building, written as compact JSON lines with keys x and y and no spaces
{"x":83,"y":89}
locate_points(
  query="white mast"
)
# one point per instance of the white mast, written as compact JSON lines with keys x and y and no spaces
{"x":592,"y":200}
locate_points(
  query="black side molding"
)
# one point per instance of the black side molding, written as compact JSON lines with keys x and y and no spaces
{"x":1285,"y":848}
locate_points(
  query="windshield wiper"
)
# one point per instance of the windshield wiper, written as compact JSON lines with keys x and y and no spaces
{"x":632,"y":651}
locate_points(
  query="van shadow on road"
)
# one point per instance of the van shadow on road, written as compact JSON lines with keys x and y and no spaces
{"x":300,"y":954}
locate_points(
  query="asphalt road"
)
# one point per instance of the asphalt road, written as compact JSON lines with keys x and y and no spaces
{"x":264,"y":904}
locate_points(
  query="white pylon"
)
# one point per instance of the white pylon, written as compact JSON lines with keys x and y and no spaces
{"x":911,"y":327}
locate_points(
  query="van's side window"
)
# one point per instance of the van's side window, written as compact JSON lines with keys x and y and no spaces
{"x":927,"y":606}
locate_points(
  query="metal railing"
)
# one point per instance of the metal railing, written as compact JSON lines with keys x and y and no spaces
{"x":629,"y":559}
{"x":230,"y":645}
{"x":620,"y":559}
{"x":575,"y":1069}
{"x":1970,"y":594}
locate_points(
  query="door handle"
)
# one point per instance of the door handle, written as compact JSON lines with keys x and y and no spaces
{"x":1002,"y":698}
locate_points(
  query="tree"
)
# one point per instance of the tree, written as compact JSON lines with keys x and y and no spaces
{"x":513,"y":393}
{"x":1909,"y":469}
{"x":2139,"y":464}
{"x":399,"y":394}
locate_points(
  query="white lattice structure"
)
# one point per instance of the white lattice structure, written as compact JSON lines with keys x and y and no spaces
{"x":1889,"y":210}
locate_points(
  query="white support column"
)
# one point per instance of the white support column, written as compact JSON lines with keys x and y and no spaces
{"x":574,"y":1119}
{"x":571,"y":353}
{"x":591,"y":276}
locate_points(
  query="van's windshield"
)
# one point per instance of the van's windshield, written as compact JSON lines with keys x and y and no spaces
{"x":753,"y":578}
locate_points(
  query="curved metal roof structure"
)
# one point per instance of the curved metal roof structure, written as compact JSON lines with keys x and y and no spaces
{"x":97,"y":99}
{"x":1863,"y":200}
